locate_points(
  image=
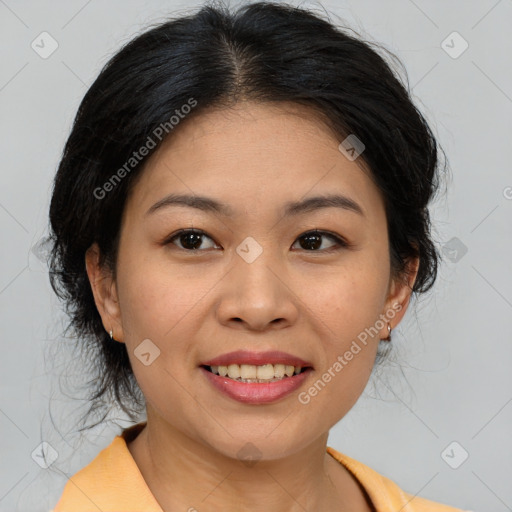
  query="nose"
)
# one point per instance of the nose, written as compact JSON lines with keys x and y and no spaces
{"x":257,"y":296}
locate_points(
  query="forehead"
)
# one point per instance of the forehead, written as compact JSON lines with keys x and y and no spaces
{"x":254,"y":154}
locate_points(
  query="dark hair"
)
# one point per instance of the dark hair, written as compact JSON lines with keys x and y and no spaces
{"x":265,"y":52}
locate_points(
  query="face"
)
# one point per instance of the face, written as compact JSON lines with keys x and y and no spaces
{"x":255,"y":275}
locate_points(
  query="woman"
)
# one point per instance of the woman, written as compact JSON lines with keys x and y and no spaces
{"x":239,"y":219}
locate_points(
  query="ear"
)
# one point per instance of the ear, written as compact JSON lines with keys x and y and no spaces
{"x":399,"y":295}
{"x":105,"y":292}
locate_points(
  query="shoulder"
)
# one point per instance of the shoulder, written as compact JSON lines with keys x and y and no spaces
{"x":385,"y":494}
{"x":112,"y":481}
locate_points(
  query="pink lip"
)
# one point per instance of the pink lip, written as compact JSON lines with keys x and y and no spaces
{"x":257,"y":359}
{"x":256,"y":392}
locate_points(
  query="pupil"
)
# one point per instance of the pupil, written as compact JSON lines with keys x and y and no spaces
{"x":191,"y":240}
{"x":313,"y":239}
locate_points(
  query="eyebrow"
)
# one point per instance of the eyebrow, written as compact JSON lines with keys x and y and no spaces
{"x":210,"y":205}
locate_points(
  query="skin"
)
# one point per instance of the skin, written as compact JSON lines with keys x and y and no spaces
{"x":200,"y":304}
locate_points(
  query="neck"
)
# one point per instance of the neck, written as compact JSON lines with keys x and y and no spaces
{"x":186,"y":475}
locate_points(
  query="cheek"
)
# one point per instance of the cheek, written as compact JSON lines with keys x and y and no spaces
{"x":350,"y":298}
{"x":346,"y":314}
{"x":346,"y":305}
{"x":155,"y":297}
{"x":159,"y":305}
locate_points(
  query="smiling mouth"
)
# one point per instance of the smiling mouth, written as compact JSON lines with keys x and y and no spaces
{"x":257,"y":374}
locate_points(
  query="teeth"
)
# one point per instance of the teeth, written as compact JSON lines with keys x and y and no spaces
{"x":233,"y":371}
{"x":279,"y":371}
{"x":253,"y":373}
{"x":265,"y":372}
{"x":248,"y":371}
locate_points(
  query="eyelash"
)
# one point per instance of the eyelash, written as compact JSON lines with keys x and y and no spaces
{"x":340,"y":242}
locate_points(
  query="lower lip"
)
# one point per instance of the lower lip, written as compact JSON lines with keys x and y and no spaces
{"x":256,"y":392}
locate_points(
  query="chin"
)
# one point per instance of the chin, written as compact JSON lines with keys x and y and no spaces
{"x":254,"y":445}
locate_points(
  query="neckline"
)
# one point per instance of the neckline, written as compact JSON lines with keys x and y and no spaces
{"x":130,"y":433}
{"x":347,"y":463}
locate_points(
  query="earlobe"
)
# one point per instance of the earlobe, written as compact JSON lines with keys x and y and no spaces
{"x":400,"y":294}
{"x":104,"y":290}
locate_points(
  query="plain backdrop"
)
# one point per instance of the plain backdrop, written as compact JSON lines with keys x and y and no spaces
{"x":438,"y":420}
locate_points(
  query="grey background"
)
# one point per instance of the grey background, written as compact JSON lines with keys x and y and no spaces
{"x":451,"y":380}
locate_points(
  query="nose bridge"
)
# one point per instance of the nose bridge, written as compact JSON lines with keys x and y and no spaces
{"x":256,"y":267}
{"x":256,"y":293}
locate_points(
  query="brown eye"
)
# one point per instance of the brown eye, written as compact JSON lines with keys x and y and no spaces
{"x":190,"y":240}
{"x":314,"y":241}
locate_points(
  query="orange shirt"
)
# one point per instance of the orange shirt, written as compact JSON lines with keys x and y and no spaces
{"x":112,"y":482}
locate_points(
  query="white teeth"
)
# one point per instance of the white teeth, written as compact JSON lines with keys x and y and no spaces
{"x":233,"y":371}
{"x":253,"y":373}
{"x":288,"y":370}
{"x":248,"y":371}
{"x":265,"y":372}
{"x":279,"y":371}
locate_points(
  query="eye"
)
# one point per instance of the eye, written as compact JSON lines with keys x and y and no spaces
{"x":312,"y":241}
{"x":190,"y":240}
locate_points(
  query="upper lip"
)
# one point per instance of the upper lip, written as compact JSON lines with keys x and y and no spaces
{"x":256,"y":359}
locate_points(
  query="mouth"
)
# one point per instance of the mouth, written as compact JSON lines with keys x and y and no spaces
{"x":256,"y":377}
{"x":261,"y":374}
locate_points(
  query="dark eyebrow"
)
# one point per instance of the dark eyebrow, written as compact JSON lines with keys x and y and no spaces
{"x":201,"y":203}
{"x":291,"y":208}
{"x":325,"y":201}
